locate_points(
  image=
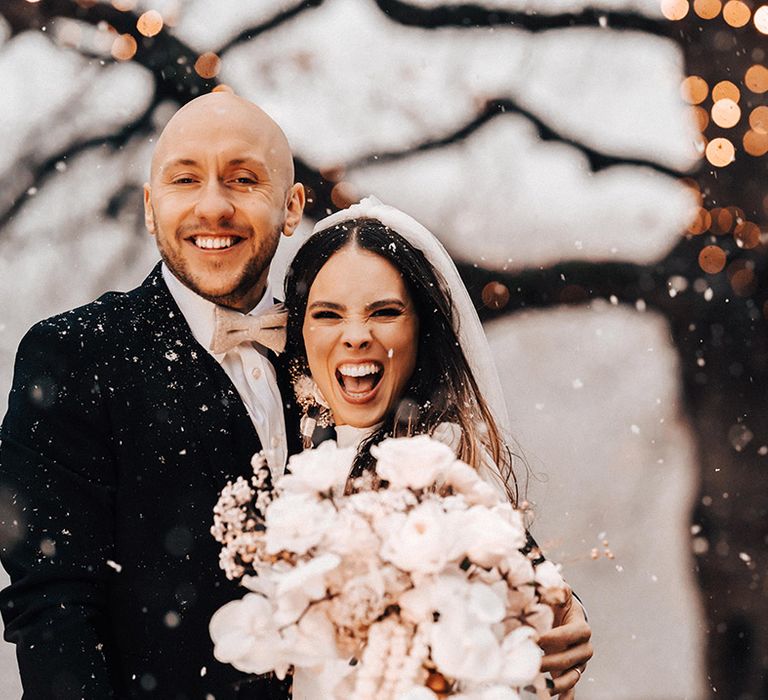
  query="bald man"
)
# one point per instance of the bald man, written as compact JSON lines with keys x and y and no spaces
{"x":123,"y":425}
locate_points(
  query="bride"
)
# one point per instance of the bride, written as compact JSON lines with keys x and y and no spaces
{"x":383,"y":332}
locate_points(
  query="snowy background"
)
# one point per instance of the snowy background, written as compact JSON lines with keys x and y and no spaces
{"x":382,"y":106}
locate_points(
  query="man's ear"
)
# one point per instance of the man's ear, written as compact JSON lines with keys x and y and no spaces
{"x":294,"y":208}
{"x":149,"y":218}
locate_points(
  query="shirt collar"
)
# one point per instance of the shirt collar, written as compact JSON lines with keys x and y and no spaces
{"x":200,"y":313}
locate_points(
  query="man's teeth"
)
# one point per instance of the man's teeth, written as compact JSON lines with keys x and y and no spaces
{"x":359,"y":370}
{"x":214,"y":243}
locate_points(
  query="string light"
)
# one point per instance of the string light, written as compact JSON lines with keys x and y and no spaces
{"x":747,"y":235}
{"x":736,"y":13}
{"x":701,"y":116}
{"x":726,"y":90}
{"x":694,"y":89}
{"x":208,"y":65}
{"x":755,"y":144}
{"x":707,"y":9}
{"x":720,"y":152}
{"x":758,"y":119}
{"x":495,"y":295}
{"x":150,"y":23}
{"x":721,"y":222}
{"x":701,"y":222}
{"x":756,"y":78}
{"x":726,"y":113}
{"x":123,"y":47}
{"x":675,"y":9}
{"x":712,"y":259}
{"x":761,"y":19}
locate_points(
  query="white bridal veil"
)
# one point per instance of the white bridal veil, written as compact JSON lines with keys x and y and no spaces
{"x":466,"y":321}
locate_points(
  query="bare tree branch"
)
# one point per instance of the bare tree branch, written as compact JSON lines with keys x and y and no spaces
{"x":474,"y":15}
{"x":276,"y":21}
{"x":597,"y":160}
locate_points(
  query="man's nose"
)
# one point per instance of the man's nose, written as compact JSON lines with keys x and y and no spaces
{"x":213,"y":204}
{"x":356,"y":335}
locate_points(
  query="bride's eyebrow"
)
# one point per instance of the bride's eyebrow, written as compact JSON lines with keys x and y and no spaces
{"x":385,"y":302}
{"x":326,"y":305}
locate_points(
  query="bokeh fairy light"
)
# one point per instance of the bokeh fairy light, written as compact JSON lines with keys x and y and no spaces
{"x":726,"y":91}
{"x":150,"y":23}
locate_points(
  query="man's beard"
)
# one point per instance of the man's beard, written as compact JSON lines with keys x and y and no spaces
{"x":253,"y":272}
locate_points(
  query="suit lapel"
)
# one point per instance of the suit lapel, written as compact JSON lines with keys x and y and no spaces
{"x":212,"y":411}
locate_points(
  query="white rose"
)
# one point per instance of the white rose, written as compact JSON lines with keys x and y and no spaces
{"x":361,"y":601}
{"x":518,"y":568}
{"x":464,"y":648}
{"x":305,"y":583}
{"x":465,"y":480}
{"x":486,"y":603}
{"x":418,"y":692}
{"x":318,"y":470}
{"x":416,"y":542}
{"x":415,"y":462}
{"x":552,"y":588}
{"x":245,"y":635}
{"x":484,"y":535}
{"x":312,"y":641}
{"x":522,"y":657}
{"x":515,"y":518}
{"x":297,"y":522}
{"x":351,"y":535}
{"x":498,"y":692}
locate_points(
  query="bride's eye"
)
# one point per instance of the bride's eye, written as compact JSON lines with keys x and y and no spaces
{"x":319,"y":315}
{"x":387,"y":313}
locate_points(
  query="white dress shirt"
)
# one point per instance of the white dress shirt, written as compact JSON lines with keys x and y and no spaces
{"x":246,"y":365}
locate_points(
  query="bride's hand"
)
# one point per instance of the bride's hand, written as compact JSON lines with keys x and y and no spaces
{"x":566,"y":648}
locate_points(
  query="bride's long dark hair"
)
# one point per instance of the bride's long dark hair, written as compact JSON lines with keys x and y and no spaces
{"x":442,"y":388}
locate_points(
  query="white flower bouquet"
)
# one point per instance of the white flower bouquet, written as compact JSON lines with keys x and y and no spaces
{"x":412,"y":590}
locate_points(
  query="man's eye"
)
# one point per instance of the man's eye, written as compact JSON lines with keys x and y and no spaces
{"x":183,"y":180}
{"x":245,"y":180}
{"x":319,"y":315}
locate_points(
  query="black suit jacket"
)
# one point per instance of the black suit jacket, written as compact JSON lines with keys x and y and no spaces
{"x":121,"y":430}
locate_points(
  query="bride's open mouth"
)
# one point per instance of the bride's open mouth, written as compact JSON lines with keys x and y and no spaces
{"x":359,"y":381}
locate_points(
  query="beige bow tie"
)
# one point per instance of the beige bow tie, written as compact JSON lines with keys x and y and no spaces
{"x":233,"y":328}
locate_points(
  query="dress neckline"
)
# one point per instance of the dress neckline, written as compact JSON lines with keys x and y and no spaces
{"x":350,"y":436}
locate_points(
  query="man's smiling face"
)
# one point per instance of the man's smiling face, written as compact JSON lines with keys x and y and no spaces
{"x":220,"y":194}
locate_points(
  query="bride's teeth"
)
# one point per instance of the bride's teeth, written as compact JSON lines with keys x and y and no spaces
{"x":358,"y":370}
